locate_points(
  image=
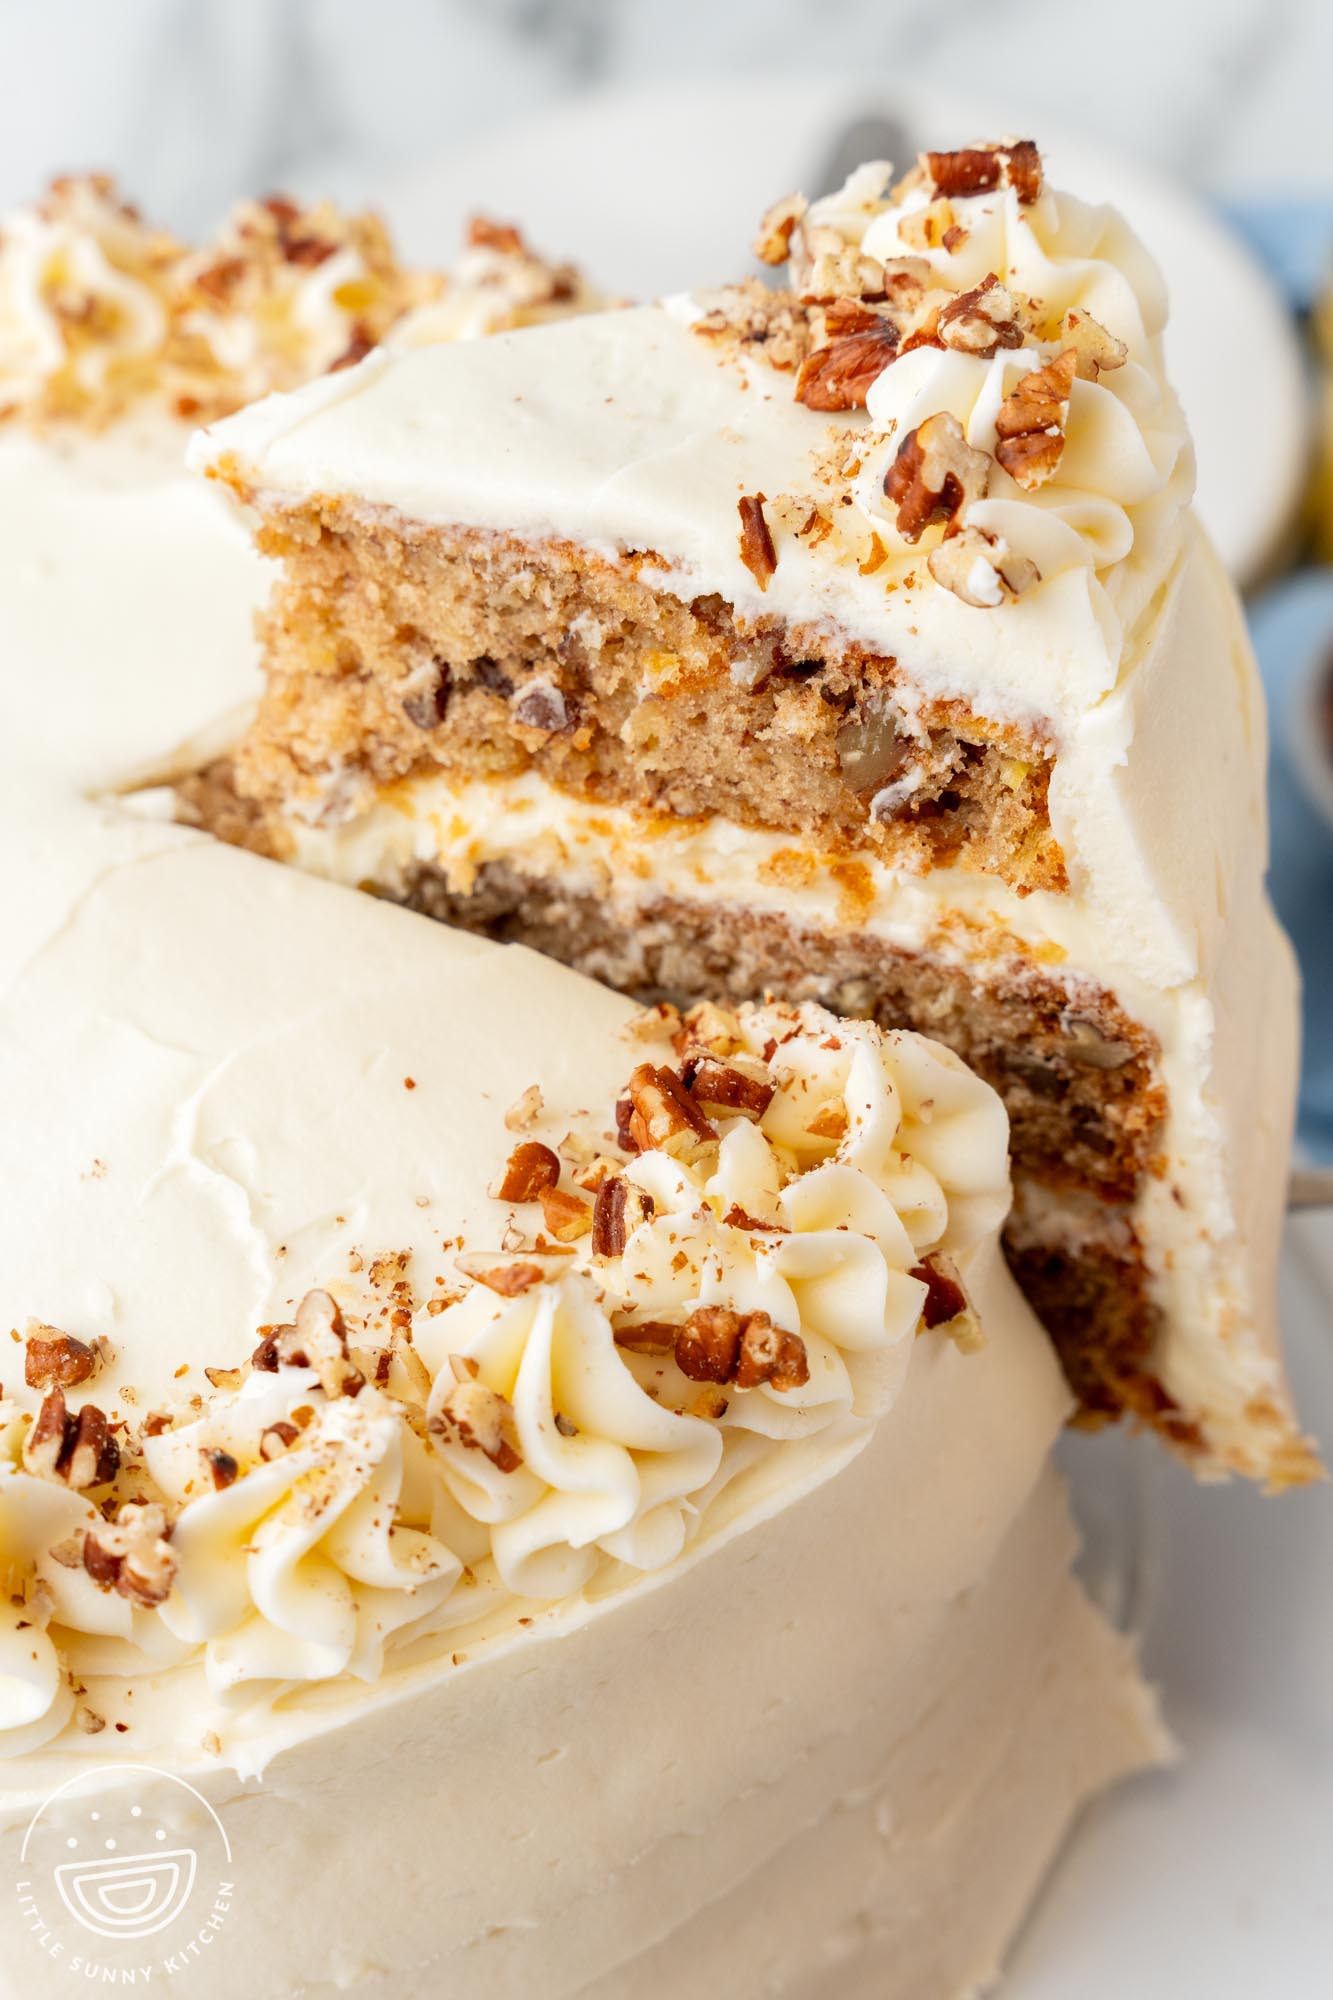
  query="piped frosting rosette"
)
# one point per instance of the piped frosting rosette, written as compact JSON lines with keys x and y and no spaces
{"x":594,"y":1463}
{"x":572,"y":1419}
{"x":306,"y":1564}
{"x":1029,"y":323}
{"x":83,"y":309}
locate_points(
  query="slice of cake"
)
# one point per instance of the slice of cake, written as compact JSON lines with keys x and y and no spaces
{"x":856,"y":641}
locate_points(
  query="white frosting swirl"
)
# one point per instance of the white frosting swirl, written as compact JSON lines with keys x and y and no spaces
{"x":604,"y":1466}
{"x":1126,"y":470}
{"x":310,"y":1562}
{"x":80,"y":300}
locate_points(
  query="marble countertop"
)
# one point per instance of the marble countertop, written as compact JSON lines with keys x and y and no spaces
{"x":193,"y":101}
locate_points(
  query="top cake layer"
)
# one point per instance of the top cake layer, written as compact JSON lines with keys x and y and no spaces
{"x":645,"y":432}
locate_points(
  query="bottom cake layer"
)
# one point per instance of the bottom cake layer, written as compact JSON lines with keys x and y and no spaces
{"x":832,"y":1749}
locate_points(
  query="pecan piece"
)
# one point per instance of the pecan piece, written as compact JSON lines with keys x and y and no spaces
{"x":648,"y":1336}
{"x":529,"y":1168}
{"x":618,"y":1210}
{"x":838,"y":376}
{"x":978,"y":169}
{"x":981,"y":570}
{"x":427,"y":703}
{"x":945,"y":1297}
{"x":77,"y":1451}
{"x":133,"y":1556}
{"x":525,"y":1111}
{"x":484,"y":233}
{"x":714,"y":1028}
{"x":567,"y":1216}
{"x":935,"y":475}
{"x":708,"y":1345}
{"x":719,"y":1345}
{"x":317,"y":1340}
{"x":1030,"y":422}
{"x":663,"y":1115}
{"x":1095,"y":350}
{"x":756,"y":539}
{"x":56,"y":1360}
{"x":478,"y":1418}
{"x":770,"y":1354}
{"x":722,"y":1089}
{"x":981,"y":321}
{"x":508,"y":1279}
{"x":541,"y":705}
{"x":276,"y":1439}
{"x":772,"y":244}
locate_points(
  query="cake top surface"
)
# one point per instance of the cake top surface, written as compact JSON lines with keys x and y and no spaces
{"x":950,"y":436}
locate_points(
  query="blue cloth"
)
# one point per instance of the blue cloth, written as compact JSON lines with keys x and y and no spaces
{"x":1292,"y":628}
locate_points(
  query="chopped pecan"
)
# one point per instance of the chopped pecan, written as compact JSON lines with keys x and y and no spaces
{"x":567,"y":1216}
{"x":317,"y":1340}
{"x":276,"y":1439}
{"x":981,"y":570}
{"x":508,"y":1279}
{"x":773,"y":241}
{"x":525,"y":1111}
{"x":750,"y":316}
{"x":830,"y":267}
{"x":719,"y":1345}
{"x":541,"y":705}
{"x":1095,"y":350}
{"x":872,"y":747}
{"x":222,"y":1467}
{"x":706,"y":1025}
{"x":484,"y":233}
{"x":133,"y":1556}
{"x":529,"y":1168}
{"x":737,"y":1217}
{"x":648,"y":1336}
{"x":770,"y":1354}
{"x":478,"y":1418}
{"x":838,"y":375}
{"x":225,"y":1378}
{"x":829,"y":1122}
{"x":708,"y":1345}
{"x":427,"y":702}
{"x":77,"y":1451}
{"x":721,"y":1089}
{"x":663,"y":1115}
{"x":56,"y":1360}
{"x":945,"y":1297}
{"x":756,"y":539}
{"x":978,"y":169}
{"x":981,"y":321}
{"x":618,"y":1210}
{"x":1030,"y":422}
{"x":935,"y":475}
